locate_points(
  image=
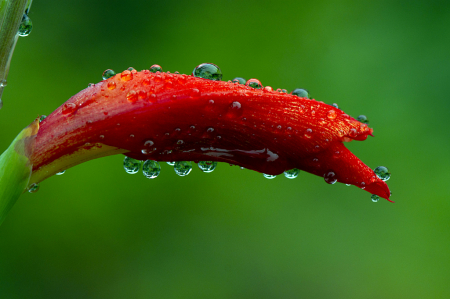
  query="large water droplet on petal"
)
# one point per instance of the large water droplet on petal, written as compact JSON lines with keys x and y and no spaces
{"x":182,"y":168}
{"x":208,"y":71}
{"x":383,"y":173}
{"x":300,"y":92}
{"x":292,"y":173}
{"x":25,"y":26}
{"x":254,"y":83}
{"x":131,"y":165}
{"x":155,"y":68}
{"x":239,"y":80}
{"x":207,"y":166}
{"x":151,"y":169}
{"x":108,"y":74}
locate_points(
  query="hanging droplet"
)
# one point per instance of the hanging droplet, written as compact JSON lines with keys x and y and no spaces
{"x":61,"y":172}
{"x":239,"y":80}
{"x":348,"y":185}
{"x":33,"y":188}
{"x":292,"y":173}
{"x":208,"y":71}
{"x":171,"y":163}
{"x":254,"y":83}
{"x":300,"y":92}
{"x":151,"y":169}
{"x":182,"y":168}
{"x":155,"y":68}
{"x":269,"y":176}
{"x":131,"y":165}
{"x":335,"y":105}
{"x":330,"y":177}
{"x":363,"y":119}
{"x":108,"y":74}
{"x":42,"y":118}
{"x":25,"y":26}
{"x":375,"y":198}
{"x":383,"y":173}
{"x":207,"y":166}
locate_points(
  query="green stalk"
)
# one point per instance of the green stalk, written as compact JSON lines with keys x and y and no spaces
{"x":11,"y":14}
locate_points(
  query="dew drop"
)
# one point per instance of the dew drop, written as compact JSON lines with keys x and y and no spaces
{"x":171,"y":163}
{"x":182,"y":168}
{"x":132,"y":96}
{"x":292,"y":173}
{"x":131,"y":69}
{"x":148,"y":143}
{"x":108,"y":74}
{"x":383,"y":173}
{"x":151,"y":169}
{"x":348,"y":185}
{"x":254,"y":83}
{"x":131,"y":165}
{"x":331,"y":115}
{"x":42,"y":118}
{"x":180,"y":142}
{"x":111,"y":85}
{"x":126,"y":75}
{"x":363,"y":119}
{"x":330,"y":177}
{"x":308,"y":133}
{"x":155,"y":68}
{"x":61,"y":172}
{"x":239,"y":80}
{"x":269,"y":176}
{"x":375,"y":198}
{"x":207,"y":71}
{"x":195,"y":92}
{"x":335,"y":105}
{"x":352,"y":133}
{"x":207,"y":166}
{"x":300,"y":92}
{"x":25,"y":26}
{"x":210,"y":130}
{"x":268,"y":88}
{"x":68,"y":108}
{"x":33,"y":188}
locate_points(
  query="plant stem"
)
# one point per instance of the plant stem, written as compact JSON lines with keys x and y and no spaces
{"x":11,"y":14}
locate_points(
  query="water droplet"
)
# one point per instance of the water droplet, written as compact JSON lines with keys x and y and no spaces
{"x":68,"y":108}
{"x":268,"y":88}
{"x":383,"y":173}
{"x":3,"y":83}
{"x":155,"y":68}
{"x":330,"y":177}
{"x":90,"y":84}
{"x":111,"y":85}
{"x":269,"y":176}
{"x":61,"y":172}
{"x":292,"y":173}
{"x":352,"y":133}
{"x":42,"y":118}
{"x":180,"y":142}
{"x":132,"y":96}
{"x":171,"y":163}
{"x":131,"y":165}
{"x":283,"y":90}
{"x":239,"y":80}
{"x":335,"y":105}
{"x":363,"y":119}
{"x":207,"y":166}
{"x":308,"y":133}
{"x":331,"y":115}
{"x":182,"y":168}
{"x":300,"y":92}
{"x":108,"y":74}
{"x":151,"y":169}
{"x":148,"y":143}
{"x":375,"y":198}
{"x":254,"y":83}
{"x":348,"y":184}
{"x":126,"y":75}
{"x":131,"y":69}
{"x":25,"y":26}
{"x":33,"y":188}
{"x":208,"y":71}
{"x":210,"y":130}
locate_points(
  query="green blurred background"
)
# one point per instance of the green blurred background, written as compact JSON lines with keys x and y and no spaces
{"x":97,"y":232}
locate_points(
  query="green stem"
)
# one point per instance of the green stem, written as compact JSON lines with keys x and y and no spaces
{"x":11,"y":14}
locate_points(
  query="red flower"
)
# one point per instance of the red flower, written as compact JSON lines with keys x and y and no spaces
{"x":172,"y":117}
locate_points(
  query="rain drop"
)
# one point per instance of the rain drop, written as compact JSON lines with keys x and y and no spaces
{"x":254,"y":83}
{"x":132,"y":96}
{"x":300,"y":92}
{"x":126,"y":75}
{"x":330,"y":177}
{"x":208,"y":71}
{"x":155,"y":68}
{"x":61,"y":172}
{"x":42,"y":118}
{"x":308,"y":133}
{"x":363,"y":119}
{"x":25,"y":26}
{"x":335,"y":105}
{"x":383,"y":173}
{"x":151,"y":169}
{"x":269,"y":176}
{"x":375,"y":198}
{"x":292,"y":173}
{"x":239,"y":80}
{"x":131,"y":165}
{"x":33,"y":188}
{"x":171,"y":163}
{"x":111,"y":85}
{"x":182,"y":168}
{"x":108,"y":74}
{"x":331,"y":115}
{"x":207,"y":166}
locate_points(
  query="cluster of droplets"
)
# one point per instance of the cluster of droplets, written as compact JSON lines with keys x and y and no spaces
{"x":290,"y":174}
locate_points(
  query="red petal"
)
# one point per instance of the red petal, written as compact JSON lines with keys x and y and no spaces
{"x":169,"y":117}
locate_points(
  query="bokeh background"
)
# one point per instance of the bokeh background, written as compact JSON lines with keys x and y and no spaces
{"x":97,"y":232}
